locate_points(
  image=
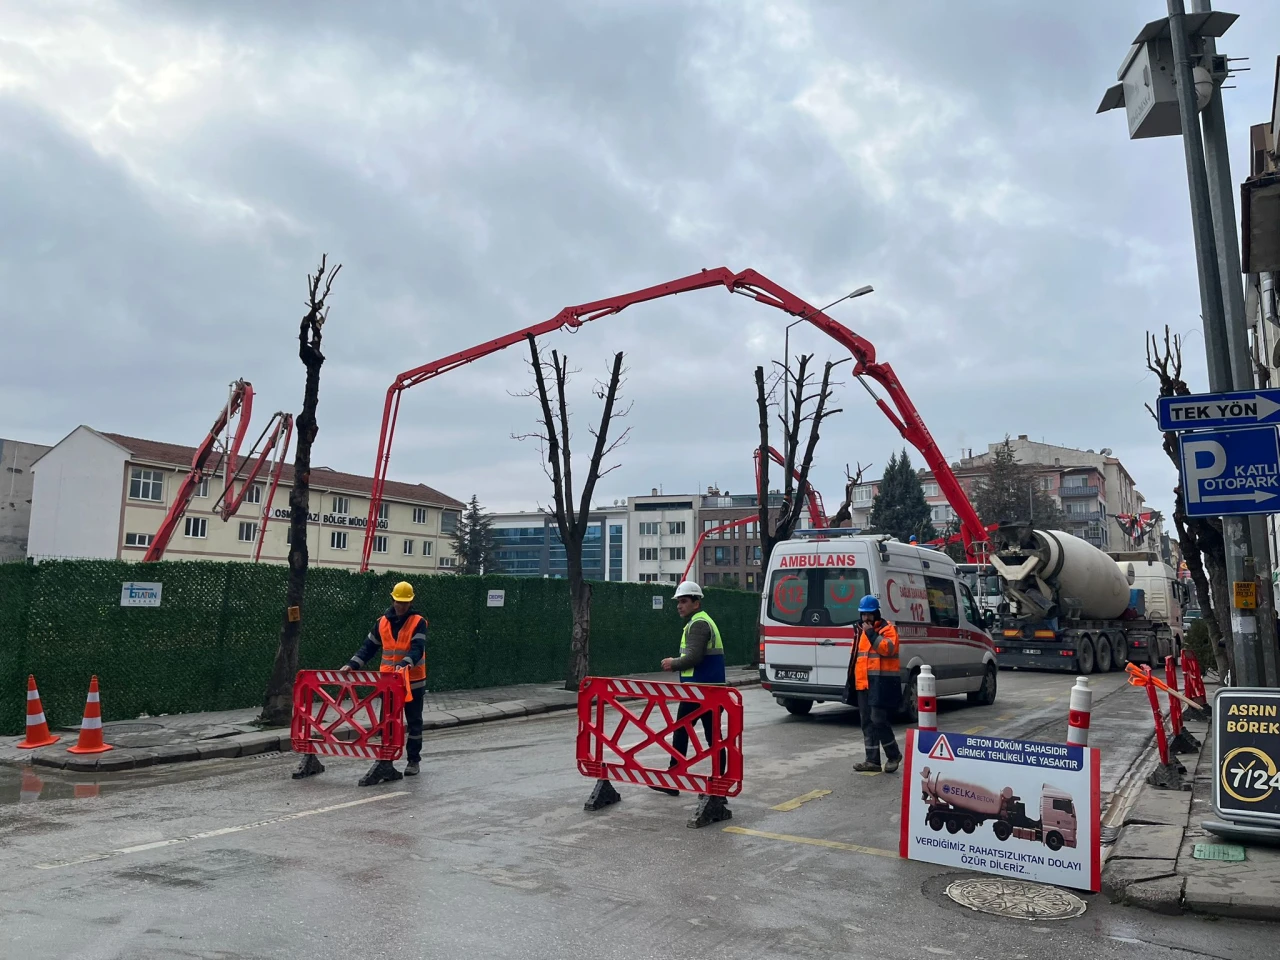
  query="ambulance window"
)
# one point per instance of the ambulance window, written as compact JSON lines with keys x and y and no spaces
{"x":943,"y":610}
{"x":842,"y":589}
{"x":970,"y":605}
{"x":788,"y":595}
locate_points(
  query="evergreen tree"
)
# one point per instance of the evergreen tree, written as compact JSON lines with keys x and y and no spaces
{"x":473,"y":541}
{"x":900,"y":508}
{"x":1010,"y":492}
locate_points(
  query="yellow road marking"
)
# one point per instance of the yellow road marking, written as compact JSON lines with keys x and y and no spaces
{"x":793,"y":804}
{"x":814,"y":842}
{"x":1050,"y":699}
{"x":1003,"y":719}
{"x":975,"y":729}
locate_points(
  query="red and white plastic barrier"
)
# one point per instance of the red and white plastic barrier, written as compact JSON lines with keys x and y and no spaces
{"x":1080,"y":709}
{"x":927,"y":698}
{"x":357,"y":713}
{"x":1193,"y":682}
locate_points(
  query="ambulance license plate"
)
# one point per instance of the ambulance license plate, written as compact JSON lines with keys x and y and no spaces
{"x":791,"y":673}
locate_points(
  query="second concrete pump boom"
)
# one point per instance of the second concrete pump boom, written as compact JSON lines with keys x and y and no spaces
{"x":748,"y":283}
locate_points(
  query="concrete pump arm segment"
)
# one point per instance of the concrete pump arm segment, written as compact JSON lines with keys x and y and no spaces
{"x":903,"y":414}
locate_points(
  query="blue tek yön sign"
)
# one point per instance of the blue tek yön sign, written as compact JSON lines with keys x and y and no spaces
{"x":1227,"y":472}
{"x":1216,"y":411}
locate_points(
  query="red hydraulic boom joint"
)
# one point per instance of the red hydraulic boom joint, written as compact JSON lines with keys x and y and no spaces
{"x":902,"y":414}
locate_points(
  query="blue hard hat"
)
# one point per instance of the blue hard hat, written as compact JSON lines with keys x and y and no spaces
{"x":868,"y":604}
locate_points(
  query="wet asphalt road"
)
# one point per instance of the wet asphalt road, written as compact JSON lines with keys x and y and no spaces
{"x":491,"y":855}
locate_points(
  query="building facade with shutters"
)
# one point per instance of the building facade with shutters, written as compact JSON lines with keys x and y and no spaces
{"x":104,"y":495}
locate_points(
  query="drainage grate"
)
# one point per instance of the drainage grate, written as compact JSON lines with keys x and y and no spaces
{"x":1230,"y":852}
{"x":1015,"y":898}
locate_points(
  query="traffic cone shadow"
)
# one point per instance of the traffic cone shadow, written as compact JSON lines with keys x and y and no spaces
{"x":37,"y":734}
{"x":91,"y":728}
{"x":32,"y":786}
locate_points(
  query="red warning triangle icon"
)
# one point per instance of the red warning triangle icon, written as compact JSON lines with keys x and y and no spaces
{"x":941,"y":750}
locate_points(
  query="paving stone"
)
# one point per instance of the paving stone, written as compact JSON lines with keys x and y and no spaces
{"x":1164,"y":895}
{"x":252,"y":744}
{"x":438,"y":720}
{"x":1169,"y":807}
{"x":106,"y":763}
{"x":476,"y":714}
{"x":142,"y":758}
{"x":178,"y":753}
{"x":56,"y":761}
{"x":510,"y":708}
{"x":222,"y":748}
{"x":1119,"y":874}
{"x":531,"y":707}
{"x":1138,"y":841}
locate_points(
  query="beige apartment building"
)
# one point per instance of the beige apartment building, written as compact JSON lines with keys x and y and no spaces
{"x":104,"y":495}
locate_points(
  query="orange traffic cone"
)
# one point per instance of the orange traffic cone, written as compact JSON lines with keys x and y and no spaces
{"x":37,"y":727}
{"x":91,"y":727}
{"x":32,"y":786}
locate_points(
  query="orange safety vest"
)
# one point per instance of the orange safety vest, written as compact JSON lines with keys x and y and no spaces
{"x":880,"y":663}
{"x":395,"y":647}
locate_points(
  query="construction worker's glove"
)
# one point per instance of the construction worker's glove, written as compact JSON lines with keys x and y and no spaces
{"x":406,"y":663}
{"x":345,"y":668}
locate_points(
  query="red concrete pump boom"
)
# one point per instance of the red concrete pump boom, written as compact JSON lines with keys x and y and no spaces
{"x":239,"y":403}
{"x":903,"y":414}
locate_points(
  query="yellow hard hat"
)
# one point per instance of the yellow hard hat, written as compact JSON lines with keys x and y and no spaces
{"x":403,"y":592}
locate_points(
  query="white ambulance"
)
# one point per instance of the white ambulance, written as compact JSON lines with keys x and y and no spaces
{"x":809,"y":610}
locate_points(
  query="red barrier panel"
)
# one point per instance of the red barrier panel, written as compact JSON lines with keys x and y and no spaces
{"x":1193,"y":682}
{"x":359,"y":713}
{"x":612,"y":733}
{"x":1162,"y":741}
{"x":1175,"y":705}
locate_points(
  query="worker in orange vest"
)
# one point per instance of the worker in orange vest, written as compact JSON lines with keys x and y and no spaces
{"x":875,"y":677}
{"x":400,"y":635}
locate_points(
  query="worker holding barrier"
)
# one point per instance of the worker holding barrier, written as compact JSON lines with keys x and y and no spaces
{"x":400,"y":635}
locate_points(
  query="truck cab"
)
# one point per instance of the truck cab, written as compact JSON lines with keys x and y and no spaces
{"x":1057,"y":816}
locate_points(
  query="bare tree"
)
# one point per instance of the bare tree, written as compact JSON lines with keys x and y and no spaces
{"x":807,"y":406}
{"x":572,"y":520}
{"x":277,"y":705}
{"x":851,"y":483}
{"x":1200,"y":539}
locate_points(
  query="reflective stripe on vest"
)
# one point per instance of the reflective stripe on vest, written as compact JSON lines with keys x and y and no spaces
{"x":395,"y":647}
{"x":711,"y":669}
{"x":869,"y":664}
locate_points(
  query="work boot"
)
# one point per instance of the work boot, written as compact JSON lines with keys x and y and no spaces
{"x":868,"y":766}
{"x":382,"y":770}
{"x":411,"y":769}
{"x":892,"y":765}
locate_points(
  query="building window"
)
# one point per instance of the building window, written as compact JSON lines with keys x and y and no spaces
{"x":448,"y":561}
{"x":248,"y":532}
{"x":707,"y":527}
{"x":341,"y":506}
{"x":420,"y":515}
{"x":146,"y":485}
{"x":649,"y":529}
{"x":202,"y":488}
{"x":379,"y":544}
{"x":930,"y":488}
{"x":426,"y":548}
{"x":137,"y":539}
{"x":751,"y":581}
{"x":196,"y":528}
{"x":710,"y":579}
{"x":722,"y":556}
{"x":753,"y":530}
{"x":448,"y":526}
{"x":407,"y":548}
{"x":675,"y":528}
{"x":673,"y":577}
{"x":648,"y":578}
{"x":253,"y":493}
{"x":706,"y":556}
{"x":755,"y":555}
{"x":675,"y":553}
{"x":648,"y":553}
{"x":384,"y":511}
{"x":337,"y":539}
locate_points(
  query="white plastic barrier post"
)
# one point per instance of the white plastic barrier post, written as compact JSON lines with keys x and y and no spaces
{"x":1078,"y":718}
{"x":927,"y":698}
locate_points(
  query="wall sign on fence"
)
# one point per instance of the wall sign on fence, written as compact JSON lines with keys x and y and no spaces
{"x":497,"y":598}
{"x":1246,"y":754}
{"x":140,"y":594}
{"x":657,"y":603}
{"x":1014,"y":808}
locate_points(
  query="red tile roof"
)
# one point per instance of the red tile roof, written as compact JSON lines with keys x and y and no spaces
{"x":177,"y":455}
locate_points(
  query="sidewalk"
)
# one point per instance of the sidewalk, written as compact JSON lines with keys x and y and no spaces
{"x":1153,"y":865}
{"x":184,"y":737}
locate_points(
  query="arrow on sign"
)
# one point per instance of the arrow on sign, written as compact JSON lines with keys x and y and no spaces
{"x":1257,"y":496}
{"x":1256,"y":408}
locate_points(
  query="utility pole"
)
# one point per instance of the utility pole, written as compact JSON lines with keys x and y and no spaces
{"x":1262,"y":659}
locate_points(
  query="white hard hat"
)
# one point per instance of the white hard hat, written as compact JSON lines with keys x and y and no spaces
{"x":688,"y":589}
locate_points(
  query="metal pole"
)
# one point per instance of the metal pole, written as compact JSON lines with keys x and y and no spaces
{"x":1223,"y":206}
{"x":1235,"y":533}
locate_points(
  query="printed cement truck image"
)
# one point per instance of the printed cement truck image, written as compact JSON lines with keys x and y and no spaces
{"x":958,"y":805}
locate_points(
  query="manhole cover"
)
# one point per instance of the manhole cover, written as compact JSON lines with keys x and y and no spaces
{"x":1230,"y":852}
{"x":1015,"y":898}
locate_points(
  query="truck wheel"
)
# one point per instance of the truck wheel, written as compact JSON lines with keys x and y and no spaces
{"x":797,"y":708}
{"x":1119,"y":652}
{"x":985,"y":695}
{"x":1084,"y":655}
{"x":967,"y":825}
{"x":936,"y":821}
{"x":1104,"y":654}
{"x":1002,"y":830}
{"x":953,"y":826}
{"x":1053,"y":840}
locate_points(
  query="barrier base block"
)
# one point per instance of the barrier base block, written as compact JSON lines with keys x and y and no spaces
{"x":604,"y":795}
{"x":309,"y":766}
{"x":1203,"y":715}
{"x":1184,"y":743}
{"x":710,"y":810}
{"x":1169,"y":776}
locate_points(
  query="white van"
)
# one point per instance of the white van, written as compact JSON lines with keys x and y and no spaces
{"x":809,"y":609}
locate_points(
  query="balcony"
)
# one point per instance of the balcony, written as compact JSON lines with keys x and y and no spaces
{"x":1090,"y":492}
{"x":1093,"y":516}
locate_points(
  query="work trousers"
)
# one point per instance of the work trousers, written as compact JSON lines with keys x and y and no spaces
{"x":680,"y":739}
{"x":876,"y":730}
{"x":413,"y":725}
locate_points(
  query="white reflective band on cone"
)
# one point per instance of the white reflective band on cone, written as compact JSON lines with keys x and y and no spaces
{"x":33,"y":694}
{"x":35,"y":719}
{"x":92,"y":698}
{"x":91,"y":723}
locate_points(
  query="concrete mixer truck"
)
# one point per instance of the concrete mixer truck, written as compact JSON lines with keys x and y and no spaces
{"x":1069,"y":606}
{"x":957,"y":805}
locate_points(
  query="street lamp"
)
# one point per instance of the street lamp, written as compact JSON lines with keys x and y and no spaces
{"x":786,"y":349}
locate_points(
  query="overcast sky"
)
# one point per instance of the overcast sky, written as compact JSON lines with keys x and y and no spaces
{"x":170,"y":172}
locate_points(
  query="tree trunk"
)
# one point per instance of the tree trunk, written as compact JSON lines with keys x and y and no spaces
{"x":580,"y":643}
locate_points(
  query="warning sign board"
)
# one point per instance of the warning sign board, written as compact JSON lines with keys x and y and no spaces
{"x":1246,"y":754}
{"x":1015,"y":808}
{"x":1245,"y":594}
